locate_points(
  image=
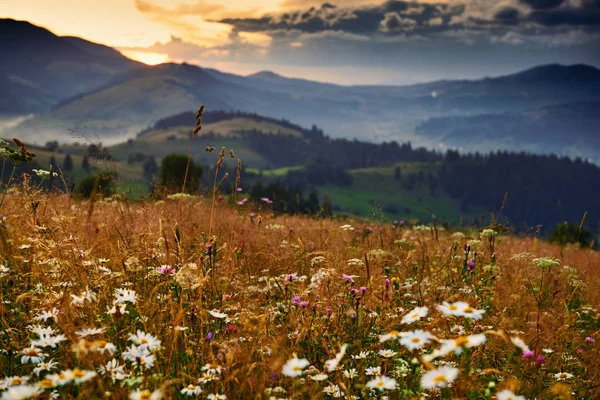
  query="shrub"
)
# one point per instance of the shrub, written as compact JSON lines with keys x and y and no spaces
{"x":105,"y":184}
{"x":569,"y":233}
{"x":172,"y":173}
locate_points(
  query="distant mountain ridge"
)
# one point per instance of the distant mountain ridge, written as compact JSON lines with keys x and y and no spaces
{"x":39,"y":69}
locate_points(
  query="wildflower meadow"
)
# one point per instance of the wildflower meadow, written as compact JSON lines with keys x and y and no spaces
{"x":212,"y":298}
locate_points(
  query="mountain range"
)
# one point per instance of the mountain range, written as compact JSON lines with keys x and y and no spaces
{"x":70,"y":83}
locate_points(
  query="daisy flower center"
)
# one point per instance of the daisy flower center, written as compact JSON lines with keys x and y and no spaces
{"x":46,"y":383}
{"x":78,"y":373}
{"x":439,"y":379}
{"x":145,"y":395}
{"x":416,"y":340}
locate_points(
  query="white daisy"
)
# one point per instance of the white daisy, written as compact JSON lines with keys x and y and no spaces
{"x":440,"y":377}
{"x":319,"y":377}
{"x":373,"y":371}
{"x":191,"y":390}
{"x":350,"y":373}
{"x":508,"y":395}
{"x":32,"y":355}
{"x":218,"y":314}
{"x":416,"y":339}
{"x":563,"y":376}
{"x":46,"y":315}
{"x":144,"y":339}
{"x":45,"y":367}
{"x":387,"y":353}
{"x":145,"y":395}
{"x":333,"y":391}
{"x":389,"y":336}
{"x":456,"y":345}
{"x":294,"y":367}
{"x":415,"y":315}
{"x":123,"y":296}
{"x":89,"y":332}
{"x":80,"y":376}
{"x":21,"y":392}
{"x":382,"y":383}
{"x":361,"y":356}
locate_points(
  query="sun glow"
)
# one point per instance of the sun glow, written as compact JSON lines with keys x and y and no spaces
{"x":146,"y":57}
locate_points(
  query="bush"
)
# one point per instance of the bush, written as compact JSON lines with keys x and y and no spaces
{"x":105,"y":184}
{"x":569,"y":233}
{"x":172,"y":173}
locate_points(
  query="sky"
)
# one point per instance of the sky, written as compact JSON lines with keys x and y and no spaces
{"x":340,"y":41}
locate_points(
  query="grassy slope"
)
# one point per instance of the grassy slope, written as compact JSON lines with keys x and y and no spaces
{"x":374,"y":193}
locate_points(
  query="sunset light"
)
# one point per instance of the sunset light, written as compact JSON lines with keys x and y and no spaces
{"x":145,"y":57}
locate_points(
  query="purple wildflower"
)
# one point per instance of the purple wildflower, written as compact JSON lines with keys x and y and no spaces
{"x":347,"y":278}
{"x":166,"y":270}
{"x":290,"y":277}
{"x":528,"y":354}
{"x":471,"y":265}
{"x":540,"y":360}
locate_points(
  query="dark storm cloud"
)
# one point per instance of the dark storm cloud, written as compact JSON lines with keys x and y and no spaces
{"x":550,"y":13}
{"x":542,"y":4}
{"x":508,"y":16}
{"x":392,"y":16}
{"x":411,"y":17}
{"x":586,"y":15}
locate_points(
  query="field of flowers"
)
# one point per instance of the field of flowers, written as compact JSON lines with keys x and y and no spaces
{"x":154,"y":300}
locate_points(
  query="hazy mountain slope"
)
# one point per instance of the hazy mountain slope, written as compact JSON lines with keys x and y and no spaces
{"x":388,"y":112}
{"x":39,"y":69}
{"x":136,"y":99}
{"x":568,"y":129}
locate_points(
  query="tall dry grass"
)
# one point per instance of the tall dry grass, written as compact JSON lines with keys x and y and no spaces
{"x":280,"y":282}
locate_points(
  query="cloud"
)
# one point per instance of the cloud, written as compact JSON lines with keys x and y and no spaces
{"x":403,"y":41}
{"x":389,"y":17}
{"x":586,"y":15}
{"x":393,"y":22}
{"x":201,"y":8}
{"x":508,"y":16}
{"x":542,"y":4}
